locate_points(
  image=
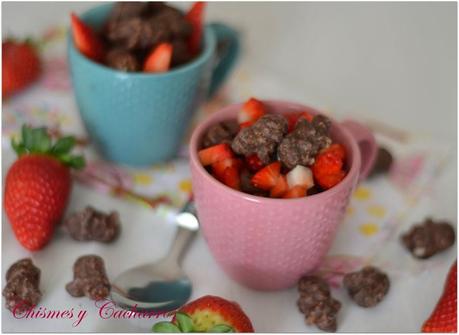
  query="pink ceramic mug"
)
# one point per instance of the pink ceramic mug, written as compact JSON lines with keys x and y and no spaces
{"x":269,"y":244}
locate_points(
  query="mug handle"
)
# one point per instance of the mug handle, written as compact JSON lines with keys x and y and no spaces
{"x":228,"y":57}
{"x":367,"y":145}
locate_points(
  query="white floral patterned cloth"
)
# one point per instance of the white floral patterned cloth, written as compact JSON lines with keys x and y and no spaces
{"x":379,"y":210}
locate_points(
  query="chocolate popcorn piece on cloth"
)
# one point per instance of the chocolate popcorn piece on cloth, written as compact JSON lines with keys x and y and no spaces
{"x":302,"y":145}
{"x":89,"y":278}
{"x":123,"y":60}
{"x":222,"y":132}
{"x":323,"y":314}
{"x":90,"y":224}
{"x":383,"y":162}
{"x":317,"y":304}
{"x":22,"y":286}
{"x":429,"y":238}
{"x":368,"y":286}
{"x":262,"y":138}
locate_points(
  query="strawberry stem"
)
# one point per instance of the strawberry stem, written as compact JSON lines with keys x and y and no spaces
{"x":38,"y":141}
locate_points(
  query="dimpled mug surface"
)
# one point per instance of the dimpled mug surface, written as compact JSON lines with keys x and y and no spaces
{"x":268,"y":244}
{"x":140,"y":118}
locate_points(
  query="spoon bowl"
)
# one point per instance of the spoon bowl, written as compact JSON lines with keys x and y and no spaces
{"x":163,"y":286}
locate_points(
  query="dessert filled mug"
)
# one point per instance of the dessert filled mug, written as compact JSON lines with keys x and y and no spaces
{"x":140,"y":118}
{"x":266,"y":243}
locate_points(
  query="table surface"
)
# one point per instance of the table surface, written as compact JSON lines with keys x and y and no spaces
{"x":392,"y":61}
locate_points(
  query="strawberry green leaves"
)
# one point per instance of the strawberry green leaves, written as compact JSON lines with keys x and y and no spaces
{"x":35,"y":139}
{"x":184,"y":321}
{"x":76,"y":162}
{"x":38,"y":141}
{"x":165,"y":327}
{"x":184,"y":324}
{"x":221,"y":329}
{"x":64,"y":145}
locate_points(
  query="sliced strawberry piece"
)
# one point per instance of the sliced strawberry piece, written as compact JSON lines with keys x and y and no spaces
{"x":196,"y":17}
{"x":159,"y":59}
{"x":444,"y":316}
{"x":293,"y":118}
{"x":307,"y":116}
{"x":280,"y":188}
{"x":266,"y":178}
{"x":300,"y":176}
{"x":328,"y":166}
{"x":327,"y":181}
{"x":296,"y":192}
{"x":337,"y":150}
{"x":327,"y":162}
{"x":218,"y":168}
{"x":86,"y":40}
{"x":251,"y":111}
{"x":214,"y":154}
{"x":232,"y":178}
{"x":254,"y":163}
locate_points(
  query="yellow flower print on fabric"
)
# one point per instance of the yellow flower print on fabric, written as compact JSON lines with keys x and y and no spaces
{"x":369,"y":229}
{"x":362,"y":193}
{"x":376,"y":211}
{"x":143,"y":179}
{"x":185,"y":185}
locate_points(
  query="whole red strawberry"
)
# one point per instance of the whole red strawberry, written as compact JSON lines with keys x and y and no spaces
{"x":207,"y":314}
{"x":20,"y":66}
{"x":38,"y":185}
{"x":444,"y":316}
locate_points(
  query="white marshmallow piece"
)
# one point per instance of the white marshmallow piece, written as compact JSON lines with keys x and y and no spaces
{"x":300,"y":175}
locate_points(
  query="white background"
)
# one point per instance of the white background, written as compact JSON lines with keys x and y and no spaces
{"x":394,"y":62}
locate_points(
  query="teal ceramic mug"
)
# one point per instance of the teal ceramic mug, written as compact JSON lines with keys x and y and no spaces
{"x":140,"y":119}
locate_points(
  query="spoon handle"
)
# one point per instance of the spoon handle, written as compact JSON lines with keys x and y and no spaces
{"x":182,"y":240}
{"x":186,"y":230}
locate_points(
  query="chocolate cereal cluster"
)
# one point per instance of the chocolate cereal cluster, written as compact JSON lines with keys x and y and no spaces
{"x":317,"y":304}
{"x":262,"y":138}
{"x":22,"y":286}
{"x":428,"y":238}
{"x":89,"y":278}
{"x":268,"y":139}
{"x":93,"y":225}
{"x":366,"y":287}
{"x":134,"y":28}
